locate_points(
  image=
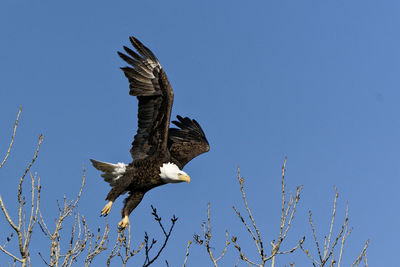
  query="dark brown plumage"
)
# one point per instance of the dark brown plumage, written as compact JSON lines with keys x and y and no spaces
{"x":159,"y":152}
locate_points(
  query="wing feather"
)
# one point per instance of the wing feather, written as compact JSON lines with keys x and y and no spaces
{"x":149,"y":83}
{"x":187,"y":141}
{"x":143,"y":50}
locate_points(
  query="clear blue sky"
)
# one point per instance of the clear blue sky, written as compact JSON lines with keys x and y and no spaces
{"x":316,"y":81}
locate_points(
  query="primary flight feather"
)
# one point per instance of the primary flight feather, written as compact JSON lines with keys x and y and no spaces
{"x":159,"y":153}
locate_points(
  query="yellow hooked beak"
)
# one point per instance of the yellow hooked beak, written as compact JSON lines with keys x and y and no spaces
{"x":185,"y":178}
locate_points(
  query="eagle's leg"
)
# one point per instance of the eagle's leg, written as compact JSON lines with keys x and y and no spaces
{"x":114,"y":193}
{"x":106,"y":210}
{"x":130,"y":204}
{"x":123,"y":223}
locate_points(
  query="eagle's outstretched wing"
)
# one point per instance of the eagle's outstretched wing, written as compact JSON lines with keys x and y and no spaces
{"x":149,"y":83}
{"x":188,"y":141}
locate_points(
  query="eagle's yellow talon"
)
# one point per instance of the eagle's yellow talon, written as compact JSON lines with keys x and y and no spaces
{"x":123,"y":224}
{"x":107,"y":208}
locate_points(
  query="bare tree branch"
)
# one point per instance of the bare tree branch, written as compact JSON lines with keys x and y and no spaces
{"x":346,"y":234}
{"x":23,"y":234}
{"x":55,"y":237}
{"x":328,"y":253}
{"x":207,"y":235}
{"x":148,"y":248}
{"x":12,"y":138}
{"x":187,"y":253}
{"x":100,"y":244}
{"x":285,"y":224}
{"x":362,"y":254}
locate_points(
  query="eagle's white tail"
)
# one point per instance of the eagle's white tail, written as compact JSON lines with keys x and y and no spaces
{"x":111,"y":172}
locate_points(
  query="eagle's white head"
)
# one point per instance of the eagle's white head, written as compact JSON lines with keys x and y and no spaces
{"x":170,"y":173}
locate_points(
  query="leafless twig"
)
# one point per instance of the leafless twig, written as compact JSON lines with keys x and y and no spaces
{"x":123,"y":243}
{"x":99,"y":245}
{"x":288,"y":209}
{"x":327,"y":255}
{"x":122,"y":247}
{"x":81,"y":237}
{"x":23,"y":228}
{"x":148,"y":247}
{"x":12,"y":138}
{"x":362,"y":254}
{"x":187,"y":253}
{"x":207,"y":235}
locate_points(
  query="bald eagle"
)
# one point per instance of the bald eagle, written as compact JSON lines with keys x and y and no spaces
{"x":159,"y":153}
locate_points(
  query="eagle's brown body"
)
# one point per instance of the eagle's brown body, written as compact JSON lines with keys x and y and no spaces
{"x":155,"y":143}
{"x":140,"y":176}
